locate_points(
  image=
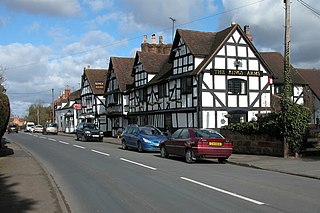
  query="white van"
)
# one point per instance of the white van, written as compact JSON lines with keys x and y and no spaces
{"x":30,"y":127}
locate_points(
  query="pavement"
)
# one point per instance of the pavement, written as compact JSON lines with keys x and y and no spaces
{"x":27,"y":187}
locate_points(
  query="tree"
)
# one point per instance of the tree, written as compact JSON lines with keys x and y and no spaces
{"x":4,"y":109}
{"x":38,"y":113}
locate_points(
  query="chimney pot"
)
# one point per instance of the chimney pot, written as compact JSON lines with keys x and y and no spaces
{"x":160,"y":39}
{"x":145,"y":39}
{"x":153,"y":39}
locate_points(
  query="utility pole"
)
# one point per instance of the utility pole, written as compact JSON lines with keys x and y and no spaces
{"x":173,"y":21}
{"x":52,"y":104}
{"x":287,"y":92}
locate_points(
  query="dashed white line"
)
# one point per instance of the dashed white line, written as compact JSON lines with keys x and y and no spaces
{"x":51,"y":139}
{"x":102,"y":153}
{"x":81,"y":147}
{"x":42,"y":137}
{"x":224,"y":191}
{"x":139,"y":164}
{"x":63,"y":142}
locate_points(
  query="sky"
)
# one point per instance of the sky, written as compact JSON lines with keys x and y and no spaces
{"x":45,"y":44}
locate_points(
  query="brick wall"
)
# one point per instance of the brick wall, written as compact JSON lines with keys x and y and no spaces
{"x":254,"y":144}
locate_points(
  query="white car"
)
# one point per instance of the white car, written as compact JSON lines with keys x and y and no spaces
{"x":30,"y":127}
{"x":38,"y":128}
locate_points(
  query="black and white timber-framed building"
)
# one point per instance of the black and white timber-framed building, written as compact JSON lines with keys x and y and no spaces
{"x":92,"y":99}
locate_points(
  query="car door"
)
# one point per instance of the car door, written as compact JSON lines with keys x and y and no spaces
{"x":79,"y":130}
{"x":170,"y":144}
{"x":180,"y":142}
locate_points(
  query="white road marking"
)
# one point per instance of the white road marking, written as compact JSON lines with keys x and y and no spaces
{"x":139,"y":164}
{"x":42,"y":137}
{"x":102,"y":153}
{"x":81,"y":147}
{"x":63,"y":142}
{"x":224,"y":191}
{"x":51,"y":139}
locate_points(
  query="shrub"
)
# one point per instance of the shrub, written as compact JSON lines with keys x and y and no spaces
{"x":4,"y":113}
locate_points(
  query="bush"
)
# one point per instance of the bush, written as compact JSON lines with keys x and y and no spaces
{"x":291,"y":123}
{"x":4,"y":113}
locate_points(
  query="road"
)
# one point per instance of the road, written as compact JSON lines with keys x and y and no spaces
{"x":101,"y":177}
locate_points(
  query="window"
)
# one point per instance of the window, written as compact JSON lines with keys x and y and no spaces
{"x":142,"y":95}
{"x":186,"y":85}
{"x":184,"y":134}
{"x":162,"y":90}
{"x":176,"y":133}
{"x":237,"y":86}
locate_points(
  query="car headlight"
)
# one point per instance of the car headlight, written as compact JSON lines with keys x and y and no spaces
{"x":101,"y":133}
{"x":87,"y":132}
{"x":146,"y":140}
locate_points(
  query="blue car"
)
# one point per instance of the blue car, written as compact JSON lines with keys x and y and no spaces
{"x":142,"y":138}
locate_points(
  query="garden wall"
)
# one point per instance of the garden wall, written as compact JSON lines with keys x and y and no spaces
{"x":254,"y":144}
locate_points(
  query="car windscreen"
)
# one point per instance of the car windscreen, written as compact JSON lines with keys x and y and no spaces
{"x":203,"y":133}
{"x":90,"y":126}
{"x":150,"y":131}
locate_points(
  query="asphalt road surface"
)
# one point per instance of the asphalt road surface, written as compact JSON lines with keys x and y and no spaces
{"x":101,"y":177}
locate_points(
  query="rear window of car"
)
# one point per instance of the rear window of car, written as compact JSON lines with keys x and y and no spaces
{"x":203,"y":133}
{"x":52,"y":125}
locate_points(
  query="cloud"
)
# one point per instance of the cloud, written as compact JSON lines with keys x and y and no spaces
{"x":266,"y":20}
{"x":156,"y":13}
{"x":98,"y":4}
{"x":32,"y":71}
{"x":45,"y":7}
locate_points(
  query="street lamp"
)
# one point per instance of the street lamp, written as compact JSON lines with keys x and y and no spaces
{"x":173,"y":21}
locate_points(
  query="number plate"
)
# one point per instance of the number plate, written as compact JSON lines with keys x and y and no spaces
{"x":95,"y":136}
{"x":215,"y":143}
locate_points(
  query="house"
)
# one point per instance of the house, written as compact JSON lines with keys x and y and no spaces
{"x":116,"y":101}
{"x":146,"y":66}
{"x":67,"y":113}
{"x":92,"y":99}
{"x":312,"y":77}
{"x":211,"y":79}
{"x":276,"y":63}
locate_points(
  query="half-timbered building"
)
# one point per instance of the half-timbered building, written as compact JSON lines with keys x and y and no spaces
{"x":116,"y":100}
{"x":210,"y":80}
{"x":92,"y":99}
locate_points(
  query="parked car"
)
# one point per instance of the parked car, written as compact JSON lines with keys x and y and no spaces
{"x":193,"y":144}
{"x":30,"y":127}
{"x":13,"y":128}
{"x":38,"y":128}
{"x":50,"y":128}
{"x":88,"y":131}
{"x":142,"y":138}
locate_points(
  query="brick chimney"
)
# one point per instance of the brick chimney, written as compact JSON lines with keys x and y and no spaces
{"x":246,"y":30}
{"x":159,"y":48}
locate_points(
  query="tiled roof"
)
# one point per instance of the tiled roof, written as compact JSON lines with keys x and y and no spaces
{"x":312,"y":77}
{"x":95,"y":77}
{"x":122,"y":68}
{"x":276,"y":63}
{"x":75,"y":95}
{"x":152,"y":62}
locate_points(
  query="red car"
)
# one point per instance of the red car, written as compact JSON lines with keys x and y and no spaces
{"x":194,"y":143}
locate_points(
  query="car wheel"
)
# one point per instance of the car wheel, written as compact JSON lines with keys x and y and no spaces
{"x":83,"y":138}
{"x":189,"y":156}
{"x":101,"y":139}
{"x":124,"y":145}
{"x":222,"y":160}
{"x":163,"y":152}
{"x":139,"y":146}
{"x":77,"y":138}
